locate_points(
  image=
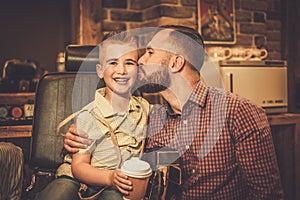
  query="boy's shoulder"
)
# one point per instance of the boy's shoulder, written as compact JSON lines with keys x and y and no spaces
{"x":87,"y":108}
{"x":142,"y":102}
{"x":139,"y":99}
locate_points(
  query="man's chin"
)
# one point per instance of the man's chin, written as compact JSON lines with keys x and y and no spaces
{"x":151,"y":88}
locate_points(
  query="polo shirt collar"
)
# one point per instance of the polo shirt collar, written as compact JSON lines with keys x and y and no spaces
{"x":104,"y":107}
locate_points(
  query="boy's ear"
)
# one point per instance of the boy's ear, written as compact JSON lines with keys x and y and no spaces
{"x":100,"y":70}
{"x":176,"y":63}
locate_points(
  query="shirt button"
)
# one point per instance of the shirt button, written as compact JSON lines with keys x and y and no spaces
{"x":193,"y":171}
{"x":187,"y":147}
{"x":185,"y":122}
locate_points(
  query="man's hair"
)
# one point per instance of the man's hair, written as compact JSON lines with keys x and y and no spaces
{"x":189,"y":42}
{"x":115,"y":37}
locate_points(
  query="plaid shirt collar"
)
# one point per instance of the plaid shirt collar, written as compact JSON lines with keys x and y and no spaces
{"x":198,"y":96}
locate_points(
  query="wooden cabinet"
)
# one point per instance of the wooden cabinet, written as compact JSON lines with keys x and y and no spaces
{"x":286,"y":137}
{"x":16,"y":108}
{"x":17,"y":130}
{"x":16,"y":98}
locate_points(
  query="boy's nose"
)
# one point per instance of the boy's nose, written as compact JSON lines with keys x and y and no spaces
{"x":121,"y":69}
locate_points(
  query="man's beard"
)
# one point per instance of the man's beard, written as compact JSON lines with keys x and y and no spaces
{"x":155,"y":82}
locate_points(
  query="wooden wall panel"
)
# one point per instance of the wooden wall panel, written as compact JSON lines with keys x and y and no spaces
{"x":86,"y":18}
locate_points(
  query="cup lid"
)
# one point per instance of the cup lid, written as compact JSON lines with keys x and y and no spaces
{"x":136,"y":168}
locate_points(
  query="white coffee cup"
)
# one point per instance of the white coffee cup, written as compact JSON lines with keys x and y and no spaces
{"x":258,"y":54}
{"x":219,"y":53}
{"x":240,"y":53}
{"x":138,"y":172}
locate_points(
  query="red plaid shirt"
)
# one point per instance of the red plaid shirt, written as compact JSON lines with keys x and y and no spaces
{"x":225,"y":145}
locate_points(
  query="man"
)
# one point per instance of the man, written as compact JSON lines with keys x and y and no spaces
{"x":224,"y":140}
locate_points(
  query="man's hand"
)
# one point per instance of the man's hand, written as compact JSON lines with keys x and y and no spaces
{"x":121,"y":182}
{"x":75,"y":140}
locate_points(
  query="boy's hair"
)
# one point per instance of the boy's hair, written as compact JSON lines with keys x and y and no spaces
{"x":116,"y":37}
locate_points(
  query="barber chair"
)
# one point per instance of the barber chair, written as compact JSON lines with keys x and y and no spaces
{"x":57,"y":96}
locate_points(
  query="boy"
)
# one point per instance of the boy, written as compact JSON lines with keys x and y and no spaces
{"x":115,"y":123}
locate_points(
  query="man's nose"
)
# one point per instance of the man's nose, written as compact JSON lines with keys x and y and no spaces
{"x":141,"y":60}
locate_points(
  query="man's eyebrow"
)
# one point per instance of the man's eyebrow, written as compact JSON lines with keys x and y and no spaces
{"x":149,"y":48}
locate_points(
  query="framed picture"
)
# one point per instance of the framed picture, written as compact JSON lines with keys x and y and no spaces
{"x":216,"y":21}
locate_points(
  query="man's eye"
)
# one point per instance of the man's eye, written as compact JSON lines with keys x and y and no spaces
{"x":150,"y":52}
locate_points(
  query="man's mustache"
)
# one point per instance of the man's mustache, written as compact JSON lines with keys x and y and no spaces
{"x":141,"y":73}
{"x":151,"y":83}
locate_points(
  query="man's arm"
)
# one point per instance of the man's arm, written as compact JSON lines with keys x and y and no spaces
{"x":74,"y":140}
{"x":256,"y":153}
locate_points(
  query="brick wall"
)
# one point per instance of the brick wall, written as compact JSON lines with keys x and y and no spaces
{"x":259,"y":25}
{"x":258,"y":22}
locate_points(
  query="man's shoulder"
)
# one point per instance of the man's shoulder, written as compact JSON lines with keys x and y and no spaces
{"x":232,"y":102}
{"x":230,"y":96}
{"x":241,"y":101}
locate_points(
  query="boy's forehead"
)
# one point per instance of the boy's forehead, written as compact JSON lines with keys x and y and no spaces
{"x":117,"y":50}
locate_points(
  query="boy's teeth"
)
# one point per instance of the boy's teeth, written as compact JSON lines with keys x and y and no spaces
{"x":121,"y":80}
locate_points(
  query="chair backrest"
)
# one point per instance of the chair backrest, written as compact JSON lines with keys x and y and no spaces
{"x":57,"y":96}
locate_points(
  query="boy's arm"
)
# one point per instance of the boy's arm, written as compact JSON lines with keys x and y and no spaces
{"x":83,"y":171}
{"x":88,"y":174}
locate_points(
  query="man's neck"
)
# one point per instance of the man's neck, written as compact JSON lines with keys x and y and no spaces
{"x":173,"y":101}
{"x":178,"y":93}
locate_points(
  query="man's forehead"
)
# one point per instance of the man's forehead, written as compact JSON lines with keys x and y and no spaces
{"x":162,"y":41}
{"x":159,"y":38}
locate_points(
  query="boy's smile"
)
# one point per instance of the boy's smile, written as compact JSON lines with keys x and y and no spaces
{"x":118,"y":68}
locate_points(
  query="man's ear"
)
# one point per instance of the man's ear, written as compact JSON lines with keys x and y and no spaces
{"x":100,"y":70}
{"x":176,"y":63}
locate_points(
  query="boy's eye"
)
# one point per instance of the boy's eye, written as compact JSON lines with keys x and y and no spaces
{"x":131,"y":63}
{"x":112,"y":63}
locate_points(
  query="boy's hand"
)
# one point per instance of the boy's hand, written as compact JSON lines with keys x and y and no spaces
{"x":74,"y":140}
{"x":121,"y":182}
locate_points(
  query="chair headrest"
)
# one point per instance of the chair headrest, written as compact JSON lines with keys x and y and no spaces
{"x":81,"y":57}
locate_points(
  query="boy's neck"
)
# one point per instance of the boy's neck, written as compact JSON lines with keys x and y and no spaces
{"x":119,"y":103}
